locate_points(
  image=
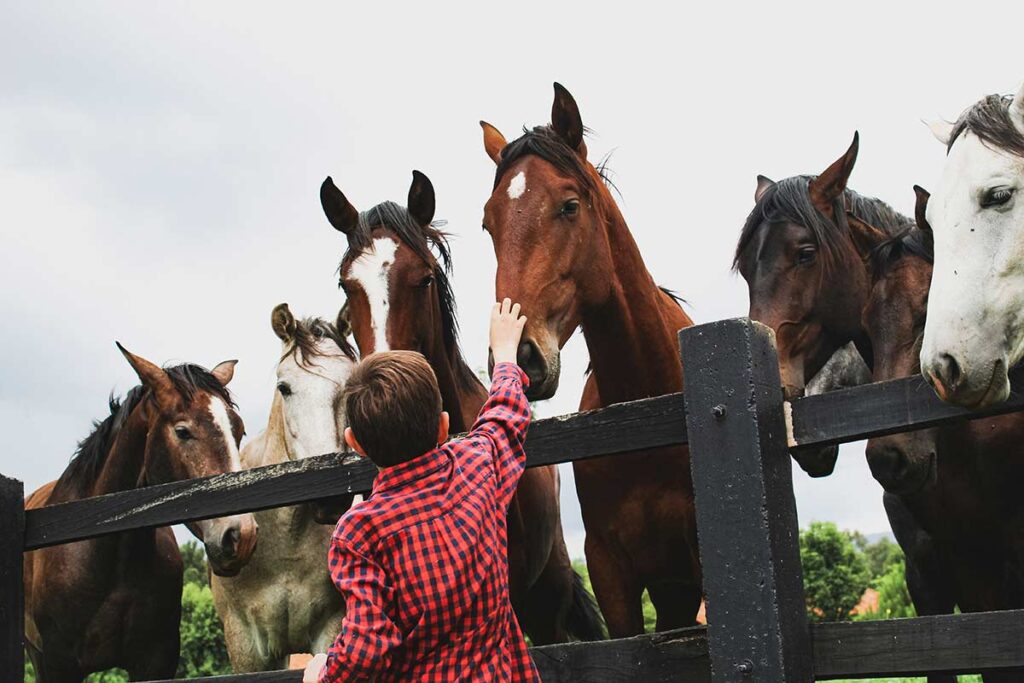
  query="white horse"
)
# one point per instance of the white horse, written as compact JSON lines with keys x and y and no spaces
{"x":975,"y":326}
{"x":283,"y":601}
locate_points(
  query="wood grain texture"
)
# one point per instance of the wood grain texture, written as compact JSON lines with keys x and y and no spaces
{"x":627,"y":426}
{"x":882,"y":408}
{"x":746,"y":512}
{"x":12,"y":526}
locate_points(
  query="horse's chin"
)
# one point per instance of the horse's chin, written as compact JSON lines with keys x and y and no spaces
{"x":543,"y":389}
{"x":818,"y":463}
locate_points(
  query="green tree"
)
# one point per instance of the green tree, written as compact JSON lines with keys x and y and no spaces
{"x":881,"y":556}
{"x":193,"y":556}
{"x":203,"y":652}
{"x":835,"y":572}
{"x":893,"y":597}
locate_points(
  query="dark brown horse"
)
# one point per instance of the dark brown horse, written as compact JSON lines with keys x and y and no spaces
{"x":395,"y":274}
{"x":804,"y":273}
{"x":959,"y":482}
{"x":565,"y":253}
{"x":115,"y":601}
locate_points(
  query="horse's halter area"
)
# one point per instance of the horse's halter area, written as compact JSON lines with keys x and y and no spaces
{"x":309,"y":388}
{"x":974,"y":331}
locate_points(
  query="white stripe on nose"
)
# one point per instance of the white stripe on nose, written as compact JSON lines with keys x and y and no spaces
{"x":370,"y":270}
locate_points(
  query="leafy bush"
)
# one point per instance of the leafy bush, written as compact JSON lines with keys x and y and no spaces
{"x":835,"y":572}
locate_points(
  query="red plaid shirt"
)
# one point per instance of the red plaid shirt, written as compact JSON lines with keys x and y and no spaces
{"x":423,"y":562}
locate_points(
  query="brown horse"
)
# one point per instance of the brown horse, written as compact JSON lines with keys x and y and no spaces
{"x":565,"y":253}
{"x":805,"y":276}
{"x":115,"y":601}
{"x":959,"y":482}
{"x":400,"y":297}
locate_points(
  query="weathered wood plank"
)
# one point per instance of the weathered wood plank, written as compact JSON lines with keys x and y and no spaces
{"x":883,"y":408}
{"x":746,"y":512}
{"x":639,"y":424}
{"x":960,"y":643}
{"x":12,"y":597}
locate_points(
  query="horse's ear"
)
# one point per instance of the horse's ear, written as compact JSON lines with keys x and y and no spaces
{"x":941,"y":130}
{"x":224,"y":371}
{"x":344,"y":321}
{"x":155,"y":379}
{"x":494,"y":142}
{"x":566,"y":119}
{"x":421,"y":199}
{"x":763,"y":185}
{"x":1017,"y":110}
{"x":830,"y":185}
{"x":865,"y":236}
{"x":921,"y":207}
{"x":342,"y":215}
{"x":283,"y":322}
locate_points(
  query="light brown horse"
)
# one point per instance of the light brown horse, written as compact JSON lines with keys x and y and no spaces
{"x":115,"y":601}
{"x":400,"y":297}
{"x":565,"y":253}
{"x":959,"y":482}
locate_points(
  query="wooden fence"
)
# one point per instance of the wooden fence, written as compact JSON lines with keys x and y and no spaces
{"x":740,"y":432}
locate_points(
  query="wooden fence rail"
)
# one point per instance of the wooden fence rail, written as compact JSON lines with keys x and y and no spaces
{"x":739,"y":433}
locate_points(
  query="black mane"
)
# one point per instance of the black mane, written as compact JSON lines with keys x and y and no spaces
{"x":544,"y":142}
{"x":307,"y":335}
{"x":423,"y":242}
{"x":93,"y":450}
{"x":989,"y":119}
{"x":789,"y":200}
{"x":910,"y":242}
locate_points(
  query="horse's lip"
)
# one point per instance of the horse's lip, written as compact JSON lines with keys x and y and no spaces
{"x":990,"y":389}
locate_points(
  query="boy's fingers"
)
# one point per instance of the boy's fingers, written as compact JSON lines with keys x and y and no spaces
{"x":522,"y":322}
{"x":506,"y":305}
{"x":515,"y":311}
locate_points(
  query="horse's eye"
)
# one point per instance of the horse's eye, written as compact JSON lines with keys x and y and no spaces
{"x":183,"y":433}
{"x":997,"y":196}
{"x":426,"y":282}
{"x":571,"y":208}
{"x":806,"y":255}
{"x":284,"y":388}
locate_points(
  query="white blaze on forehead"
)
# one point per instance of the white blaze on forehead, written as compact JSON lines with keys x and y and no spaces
{"x":517,"y":186}
{"x":370,"y":270}
{"x":219,"y":412}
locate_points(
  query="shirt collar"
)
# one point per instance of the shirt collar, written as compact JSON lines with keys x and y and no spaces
{"x":399,"y":475}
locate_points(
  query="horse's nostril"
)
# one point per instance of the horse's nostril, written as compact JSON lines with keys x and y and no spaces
{"x":950,"y":370}
{"x":229,"y":541}
{"x":525,"y":354}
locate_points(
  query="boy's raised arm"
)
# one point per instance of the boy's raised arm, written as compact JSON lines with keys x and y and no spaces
{"x":505,"y":416}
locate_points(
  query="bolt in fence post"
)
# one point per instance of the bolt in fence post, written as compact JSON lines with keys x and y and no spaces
{"x":746,"y":512}
{"x":12,"y":618}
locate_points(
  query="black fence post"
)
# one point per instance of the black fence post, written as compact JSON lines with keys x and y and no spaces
{"x":12,"y":599}
{"x":746,"y":513}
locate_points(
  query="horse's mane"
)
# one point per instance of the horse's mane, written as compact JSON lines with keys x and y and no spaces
{"x":989,"y":119}
{"x":92,"y":451}
{"x":909,"y":242}
{"x":789,"y":200}
{"x":424,"y":242}
{"x":307,"y":335}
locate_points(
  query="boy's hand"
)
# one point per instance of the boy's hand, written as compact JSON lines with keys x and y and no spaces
{"x":506,"y":331}
{"x":312,"y":672}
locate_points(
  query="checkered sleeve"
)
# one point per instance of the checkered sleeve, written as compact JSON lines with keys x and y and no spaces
{"x":368,"y":637}
{"x":503,"y":421}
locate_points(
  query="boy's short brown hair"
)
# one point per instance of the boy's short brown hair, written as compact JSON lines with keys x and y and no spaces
{"x":393,"y":406}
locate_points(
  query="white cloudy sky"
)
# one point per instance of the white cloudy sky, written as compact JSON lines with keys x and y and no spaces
{"x":159,"y":165}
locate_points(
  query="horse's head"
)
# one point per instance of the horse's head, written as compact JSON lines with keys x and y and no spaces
{"x":194,"y":431}
{"x":399,"y":297}
{"x":803,"y":274}
{"x":975,"y":328}
{"x":315,"y":363}
{"x":894,"y":319}
{"x":547,"y":217}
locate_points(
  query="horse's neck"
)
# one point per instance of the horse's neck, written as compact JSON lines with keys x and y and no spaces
{"x":462,"y":400}
{"x":632,"y":335}
{"x":124,"y":466}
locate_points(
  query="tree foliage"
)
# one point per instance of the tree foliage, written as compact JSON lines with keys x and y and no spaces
{"x":835,"y":572}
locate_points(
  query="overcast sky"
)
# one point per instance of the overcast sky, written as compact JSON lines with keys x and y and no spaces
{"x":160,"y":162}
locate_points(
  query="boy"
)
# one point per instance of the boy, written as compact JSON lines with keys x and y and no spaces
{"x":422,"y":562}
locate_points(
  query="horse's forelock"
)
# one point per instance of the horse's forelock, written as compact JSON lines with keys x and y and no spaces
{"x":989,"y":119}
